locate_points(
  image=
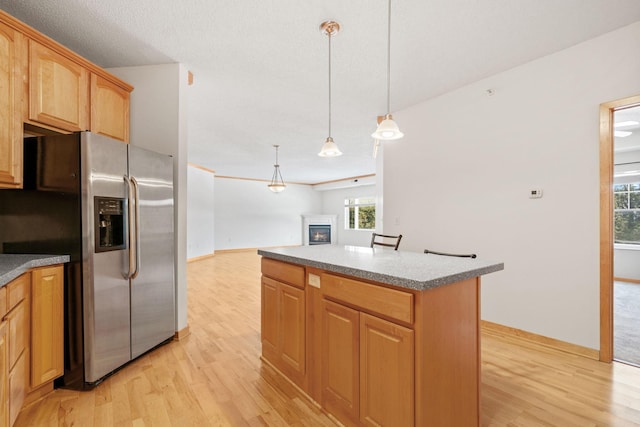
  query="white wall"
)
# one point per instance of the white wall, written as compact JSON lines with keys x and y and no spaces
{"x":200,"y":212}
{"x":158,"y":122}
{"x":248,"y":215}
{"x":459,"y":181}
{"x":333,"y":203}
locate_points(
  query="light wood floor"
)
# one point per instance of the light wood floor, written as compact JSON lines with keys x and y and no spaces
{"x":214,"y":377}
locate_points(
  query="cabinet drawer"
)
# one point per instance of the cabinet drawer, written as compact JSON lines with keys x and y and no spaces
{"x":387,"y":302}
{"x":18,"y":290}
{"x":284,"y":272}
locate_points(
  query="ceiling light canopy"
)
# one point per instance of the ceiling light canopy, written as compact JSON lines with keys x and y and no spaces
{"x":277,"y":183}
{"x":388,"y":129}
{"x":329,"y":148}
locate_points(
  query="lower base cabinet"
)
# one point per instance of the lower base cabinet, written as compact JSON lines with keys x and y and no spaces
{"x":283,"y":328}
{"x":386,"y":373}
{"x":31,"y":337}
{"x":47,"y":325}
{"x":340,"y":361}
{"x":372,"y":354}
{"x":4,"y":373}
{"x":367,"y":368}
{"x":18,"y":386}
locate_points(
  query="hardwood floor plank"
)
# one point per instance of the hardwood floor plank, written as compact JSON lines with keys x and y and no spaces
{"x":214,"y":376}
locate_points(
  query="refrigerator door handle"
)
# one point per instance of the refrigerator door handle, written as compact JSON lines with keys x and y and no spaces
{"x":131,"y":222}
{"x":136,"y":233}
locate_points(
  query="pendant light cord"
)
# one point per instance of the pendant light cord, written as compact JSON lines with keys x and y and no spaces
{"x":329,"y":34}
{"x":389,"y":60}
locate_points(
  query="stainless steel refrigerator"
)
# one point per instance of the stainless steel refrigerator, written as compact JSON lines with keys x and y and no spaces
{"x":128,"y":258}
{"x":110,"y":206}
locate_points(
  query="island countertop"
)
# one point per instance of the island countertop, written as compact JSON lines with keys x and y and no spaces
{"x":411,"y":270}
{"x":12,"y":266}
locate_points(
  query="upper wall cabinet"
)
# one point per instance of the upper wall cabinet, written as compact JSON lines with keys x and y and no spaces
{"x":109,"y":109}
{"x":10,"y":108}
{"x":44,"y":84}
{"x":58,"y":90}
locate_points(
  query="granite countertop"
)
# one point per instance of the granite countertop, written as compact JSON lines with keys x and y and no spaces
{"x":12,"y":266}
{"x":410,"y":270}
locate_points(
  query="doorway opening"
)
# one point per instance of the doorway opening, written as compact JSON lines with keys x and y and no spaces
{"x":620,"y":231}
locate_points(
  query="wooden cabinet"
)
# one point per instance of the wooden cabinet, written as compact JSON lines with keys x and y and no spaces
{"x":367,"y":364}
{"x":10,"y":108}
{"x":376,"y":354}
{"x":4,"y":373}
{"x":386,"y":373}
{"x":283,"y":319}
{"x":18,"y":383}
{"x":47,"y":337}
{"x":283,"y":328}
{"x":17,"y":320}
{"x":341,"y":361}
{"x":47,"y":87}
{"x":58,"y":90}
{"x":109,"y":109}
{"x":31,"y":338}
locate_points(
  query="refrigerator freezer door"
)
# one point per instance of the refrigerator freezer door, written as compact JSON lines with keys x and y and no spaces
{"x":153,"y":290}
{"x":105,"y":290}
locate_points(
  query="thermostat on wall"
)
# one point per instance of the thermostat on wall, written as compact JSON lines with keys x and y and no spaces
{"x":535,"y":193}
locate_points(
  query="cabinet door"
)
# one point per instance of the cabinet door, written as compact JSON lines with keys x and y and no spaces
{"x":58,"y":90}
{"x":386,"y":373}
{"x":18,"y":320}
{"x":340,"y":361}
{"x":269,"y":319}
{"x":283,"y":328}
{"x":18,"y":384}
{"x":292,"y":328}
{"x":109,"y":109}
{"x":4,"y":376}
{"x":10,"y":108}
{"x":47,"y":326}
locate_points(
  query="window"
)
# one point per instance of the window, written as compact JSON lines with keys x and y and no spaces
{"x":360,"y":213}
{"x":627,"y":213}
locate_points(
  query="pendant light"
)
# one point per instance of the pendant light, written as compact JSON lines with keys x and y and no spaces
{"x":388,"y":129}
{"x":277,"y":184}
{"x":329,"y":148}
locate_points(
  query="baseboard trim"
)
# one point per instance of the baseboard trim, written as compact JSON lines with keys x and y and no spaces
{"x":234,"y":251}
{"x":201,"y":257}
{"x":497,"y":329}
{"x":624,"y":279}
{"x":231,"y":251}
{"x":182,"y":333}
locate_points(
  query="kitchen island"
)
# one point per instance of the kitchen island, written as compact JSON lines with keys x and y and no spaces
{"x":376,"y":336}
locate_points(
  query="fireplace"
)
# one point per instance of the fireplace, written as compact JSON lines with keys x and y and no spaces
{"x":319,"y":229}
{"x":319,"y":234}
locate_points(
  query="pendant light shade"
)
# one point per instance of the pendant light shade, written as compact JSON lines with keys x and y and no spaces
{"x":388,"y":129}
{"x":329,"y":148}
{"x":277,"y":184}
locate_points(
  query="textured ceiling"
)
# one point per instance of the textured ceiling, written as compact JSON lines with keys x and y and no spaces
{"x":260,"y":66}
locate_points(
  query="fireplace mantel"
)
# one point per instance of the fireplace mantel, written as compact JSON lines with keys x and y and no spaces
{"x":318,"y":219}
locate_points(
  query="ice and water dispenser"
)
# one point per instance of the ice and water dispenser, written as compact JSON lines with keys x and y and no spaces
{"x":109,"y":224}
